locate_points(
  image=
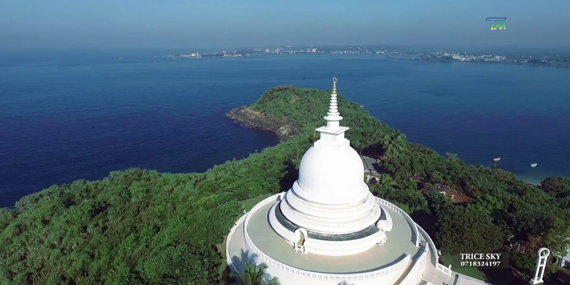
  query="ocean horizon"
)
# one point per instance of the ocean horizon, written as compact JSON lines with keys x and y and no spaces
{"x":65,"y":118}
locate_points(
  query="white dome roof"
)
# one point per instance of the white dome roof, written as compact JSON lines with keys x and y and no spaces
{"x":330,"y":195}
{"x":332,"y":170}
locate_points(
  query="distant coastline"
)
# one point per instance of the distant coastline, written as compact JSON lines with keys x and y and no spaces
{"x":482,"y":60}
{"x":531,"y":58}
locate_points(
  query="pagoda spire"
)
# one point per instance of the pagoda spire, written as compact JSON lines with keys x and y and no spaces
{"x":333,"y":133}
{"x":333,"y":116}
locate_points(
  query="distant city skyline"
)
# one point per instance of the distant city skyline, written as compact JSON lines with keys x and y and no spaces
{"x":209,"y":24}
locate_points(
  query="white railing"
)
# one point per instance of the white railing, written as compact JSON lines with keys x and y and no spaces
{"x":228,"y":256}
{"x":415,"y":234}
{"x":434,"y":255}
{"x":310,"y":274}
{"x":417,"y":270}
{"x":446,"y":270}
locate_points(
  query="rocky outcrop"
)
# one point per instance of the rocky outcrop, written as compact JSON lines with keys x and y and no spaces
{"x":250,"y":118}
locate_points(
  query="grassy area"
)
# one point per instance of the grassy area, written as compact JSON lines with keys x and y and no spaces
{"x":250,"y":203}
{"x":455,"y":262}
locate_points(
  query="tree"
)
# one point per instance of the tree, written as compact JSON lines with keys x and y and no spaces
{"x":255,"y":275}
{"x":558,"y":187}
{"x":467,"y":229}
{"x":396,"y":145}
{"x":387,"y":181}
{"x":557,"y":237}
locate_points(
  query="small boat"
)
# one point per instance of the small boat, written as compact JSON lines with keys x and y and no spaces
{"x":496,"y":158}
{"x":533,"y":164}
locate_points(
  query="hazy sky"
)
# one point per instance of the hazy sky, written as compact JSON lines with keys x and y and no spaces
{"x":239,"y":23}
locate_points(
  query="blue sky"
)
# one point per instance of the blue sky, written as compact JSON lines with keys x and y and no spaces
{"x":243,"y":23}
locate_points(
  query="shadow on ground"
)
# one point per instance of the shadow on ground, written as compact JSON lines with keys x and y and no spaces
{"x":239,"y":263}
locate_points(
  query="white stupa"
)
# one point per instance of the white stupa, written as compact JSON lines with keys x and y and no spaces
{"x":329,"y":229}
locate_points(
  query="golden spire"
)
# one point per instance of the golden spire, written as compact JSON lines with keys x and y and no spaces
{"x":333,"y":115}
{"x":334,"y":85}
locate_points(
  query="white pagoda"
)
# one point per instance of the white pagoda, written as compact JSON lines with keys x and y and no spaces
{"x":329,"y":229}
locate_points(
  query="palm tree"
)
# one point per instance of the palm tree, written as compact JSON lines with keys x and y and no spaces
{"x":387,"y":181}
{"x":394,"y":144}
{"x":255,"y":275}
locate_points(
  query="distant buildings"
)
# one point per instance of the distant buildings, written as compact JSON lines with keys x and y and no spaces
{"x":190,"y":55}
{"x":440,"y":56}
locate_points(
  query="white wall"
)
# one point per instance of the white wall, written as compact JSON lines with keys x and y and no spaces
{"x":287,"y":278}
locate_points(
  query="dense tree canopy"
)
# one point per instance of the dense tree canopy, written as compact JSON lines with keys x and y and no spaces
{"x":144,"y":227}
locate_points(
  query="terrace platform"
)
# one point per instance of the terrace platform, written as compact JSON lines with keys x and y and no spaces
{"x":398,"y":245}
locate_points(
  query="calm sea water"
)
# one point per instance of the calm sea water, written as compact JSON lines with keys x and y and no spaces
{"x":64,"y":118}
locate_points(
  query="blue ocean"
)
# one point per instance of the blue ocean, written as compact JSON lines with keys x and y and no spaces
{"x":79,"y":115}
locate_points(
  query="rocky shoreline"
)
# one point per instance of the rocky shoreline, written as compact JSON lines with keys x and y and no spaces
{"x":244,"y":115}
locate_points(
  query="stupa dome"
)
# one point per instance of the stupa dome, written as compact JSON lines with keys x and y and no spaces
{"x":332,"y":170}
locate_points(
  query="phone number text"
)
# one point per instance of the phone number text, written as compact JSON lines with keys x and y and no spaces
{"x":480,"y":263}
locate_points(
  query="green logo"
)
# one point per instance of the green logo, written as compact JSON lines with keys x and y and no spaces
{"x":498,"y":22}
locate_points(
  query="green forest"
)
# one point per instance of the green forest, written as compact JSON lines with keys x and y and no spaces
{"x":145,"y":227}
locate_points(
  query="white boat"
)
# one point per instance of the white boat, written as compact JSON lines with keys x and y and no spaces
{"x":533,"y":164}
{"x":496,"y":159}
